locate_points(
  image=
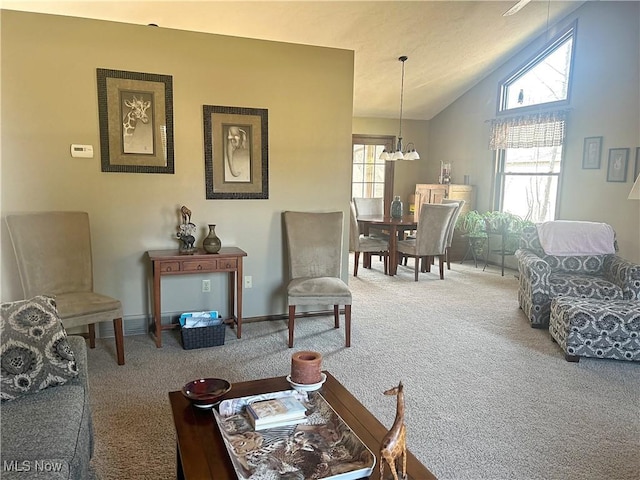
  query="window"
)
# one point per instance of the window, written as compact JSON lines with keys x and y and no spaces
{"x":370,"y":174}
{"x":543,"y":80}
{"x":529,"y":146}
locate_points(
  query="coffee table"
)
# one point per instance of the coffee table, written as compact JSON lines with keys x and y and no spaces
{"x":201,"y":453}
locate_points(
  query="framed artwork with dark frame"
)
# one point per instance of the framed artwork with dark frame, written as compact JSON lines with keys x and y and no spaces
{"x":617,"y":168}
{"x":236,"y":152}
{"x":636,"y":170}
{"x":591,"y":152}
{"x":136,"y":121}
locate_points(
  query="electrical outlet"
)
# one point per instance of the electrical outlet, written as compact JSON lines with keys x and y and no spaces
{"x":248,"y":281}
{"x":206,"y":285}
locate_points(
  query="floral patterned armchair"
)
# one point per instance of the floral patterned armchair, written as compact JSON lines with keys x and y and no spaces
{"x":543,"y":277}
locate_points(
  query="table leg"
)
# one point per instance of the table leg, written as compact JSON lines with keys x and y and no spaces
{"x":157,"y":316}
{"x":393,"y":250}
{"x":239,"y":282}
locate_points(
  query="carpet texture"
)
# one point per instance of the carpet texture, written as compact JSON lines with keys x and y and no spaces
{"x":487,"y":396}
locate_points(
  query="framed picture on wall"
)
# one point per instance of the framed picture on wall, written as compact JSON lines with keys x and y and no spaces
{"x":591,"y":153}
{"x":236,"y":152}
{"x":636,"y":170}
{"x":136,"y":121}
{"x":617,"y":168}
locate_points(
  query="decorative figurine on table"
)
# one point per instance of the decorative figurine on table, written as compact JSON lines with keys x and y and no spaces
{"x":186,"y":232}
{"x":394,"y":442}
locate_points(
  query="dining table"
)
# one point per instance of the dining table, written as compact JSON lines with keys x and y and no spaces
{"x":396,"y":228}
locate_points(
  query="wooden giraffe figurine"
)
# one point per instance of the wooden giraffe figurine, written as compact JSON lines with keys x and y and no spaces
{"x":394,"y":442}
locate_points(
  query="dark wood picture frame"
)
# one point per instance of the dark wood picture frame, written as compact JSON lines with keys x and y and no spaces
{"x":592,"y":152}
{"x":617,"y":167}
{"x":136,"y":121}
{"x":236,"y":152}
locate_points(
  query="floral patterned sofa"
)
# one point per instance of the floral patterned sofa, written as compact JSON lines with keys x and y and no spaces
{"x":544,"y":277}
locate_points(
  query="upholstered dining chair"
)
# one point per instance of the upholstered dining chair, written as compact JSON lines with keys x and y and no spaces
{"x":431,"y":237}
{"x":361,"y":243}
{"x":314,"y":246}
{"x":452,"y":226}
{"x":53,"y":253}
{"x":371,"y":206}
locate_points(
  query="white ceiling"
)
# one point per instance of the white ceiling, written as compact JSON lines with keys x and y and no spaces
{"x":451,"y":45}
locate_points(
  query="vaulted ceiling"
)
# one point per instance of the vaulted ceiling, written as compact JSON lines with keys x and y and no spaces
{"x":451,"y":45}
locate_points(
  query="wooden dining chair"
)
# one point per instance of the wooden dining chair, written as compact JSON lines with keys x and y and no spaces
{"x":314,"y":247}
{"x":53,"y":253}
{"x":431,"y":237}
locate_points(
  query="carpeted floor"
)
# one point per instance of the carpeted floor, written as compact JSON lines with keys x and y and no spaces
{"x":487,"y":397}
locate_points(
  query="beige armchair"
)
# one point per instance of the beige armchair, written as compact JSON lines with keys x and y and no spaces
{"x":431,"y":237}
{"x":314,"y":246}
{"x":53,"y":253}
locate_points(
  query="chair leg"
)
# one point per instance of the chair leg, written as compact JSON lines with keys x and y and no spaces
{"x":117,"y":328}
{"x":292,"y":317}
{"x":336,"y":316}
{"x":448,"y":259}
{"x":386,"y":264}
{"x":347,"y":325}
{"x":356,"y":258}
{"x":416,"y":266}
{"x":92,"y":335}
{"x":441,"y":260}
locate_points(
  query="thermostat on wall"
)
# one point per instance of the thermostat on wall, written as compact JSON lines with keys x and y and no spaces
{"x":84,"y":151}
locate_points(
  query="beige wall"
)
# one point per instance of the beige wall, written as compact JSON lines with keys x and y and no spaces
{"x":605,"y":101}
{"x":49,"y":101}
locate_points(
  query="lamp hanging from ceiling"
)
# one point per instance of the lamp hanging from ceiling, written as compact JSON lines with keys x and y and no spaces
{"x":410,"y":153}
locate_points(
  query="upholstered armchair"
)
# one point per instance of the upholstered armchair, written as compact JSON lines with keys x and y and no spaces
{"x":543,"y":277}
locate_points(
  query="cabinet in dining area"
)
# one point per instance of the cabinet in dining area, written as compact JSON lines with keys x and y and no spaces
{"x":435,"y":193}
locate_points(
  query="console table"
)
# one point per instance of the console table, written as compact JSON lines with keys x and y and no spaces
{"x":171,"y":262}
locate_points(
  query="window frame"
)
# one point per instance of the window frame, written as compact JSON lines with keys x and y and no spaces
{"x":570,"y":31}
{"x":500,"y":175}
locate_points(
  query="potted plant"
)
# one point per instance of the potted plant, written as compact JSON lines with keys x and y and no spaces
{"x":470,"y":232}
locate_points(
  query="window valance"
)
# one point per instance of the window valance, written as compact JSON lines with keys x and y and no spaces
{"x":543,"y":129}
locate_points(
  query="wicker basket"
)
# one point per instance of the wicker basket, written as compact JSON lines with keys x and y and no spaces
{"x":200,"y":337}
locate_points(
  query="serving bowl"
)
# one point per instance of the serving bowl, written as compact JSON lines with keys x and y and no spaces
{"x":205,"y":392}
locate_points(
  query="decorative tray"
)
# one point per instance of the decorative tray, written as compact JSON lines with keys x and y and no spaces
{"x":322,"y":447}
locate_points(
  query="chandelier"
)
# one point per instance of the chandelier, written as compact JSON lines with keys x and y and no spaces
{"x":410,"y":153}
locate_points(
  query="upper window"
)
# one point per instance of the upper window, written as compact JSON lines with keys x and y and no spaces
{"x":543,"y":80}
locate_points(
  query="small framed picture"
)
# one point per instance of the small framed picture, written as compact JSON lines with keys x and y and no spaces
{"x":592,"y":152}
{"x":617,"y":168}
{"x":636,"y":170}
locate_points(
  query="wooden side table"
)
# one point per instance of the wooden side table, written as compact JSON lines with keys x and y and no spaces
{"x":171,"y":262}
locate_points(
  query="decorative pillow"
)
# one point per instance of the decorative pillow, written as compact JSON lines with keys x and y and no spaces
{"x":34,"y":351}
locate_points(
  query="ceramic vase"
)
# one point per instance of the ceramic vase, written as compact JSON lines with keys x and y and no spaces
{"x":396,"y":207}
{"x":211,"y":242}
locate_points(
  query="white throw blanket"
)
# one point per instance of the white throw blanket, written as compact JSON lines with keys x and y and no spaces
{"x":564,"y":238}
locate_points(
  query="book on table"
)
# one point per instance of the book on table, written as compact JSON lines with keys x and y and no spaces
{"x":276,"y":412}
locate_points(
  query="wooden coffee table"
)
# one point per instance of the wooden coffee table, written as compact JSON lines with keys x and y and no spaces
{"x":201,"y":453}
